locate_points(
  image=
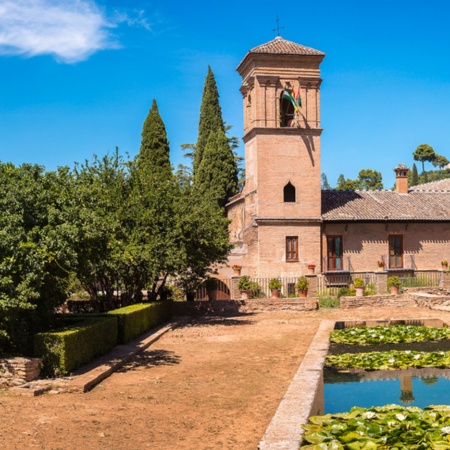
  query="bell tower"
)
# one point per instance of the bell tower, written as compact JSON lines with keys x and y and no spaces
{"x":281,"y":198}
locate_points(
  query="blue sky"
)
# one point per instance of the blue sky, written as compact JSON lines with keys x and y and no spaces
{"x":78,"y":77}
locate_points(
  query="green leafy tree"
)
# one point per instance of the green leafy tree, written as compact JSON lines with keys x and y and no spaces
{"x":217,"y":175}
{"x":440,"y":161}
{"x":424,"y":153}
{"x":36,"y":252}
{"x":205,"y":238}
{"x":210,"y":117}
{"x":346,"y":184}
{"x":101,"y":190}
{"x":370,"y":180}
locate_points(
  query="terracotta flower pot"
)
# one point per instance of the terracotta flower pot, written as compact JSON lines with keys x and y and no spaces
{"x":237,"y":272}
{"x":245,"y":295}
{"x":275,"y":293}
{"x":394,"y":290}
{"x":303,"y":293}
{"x":359,"y":291}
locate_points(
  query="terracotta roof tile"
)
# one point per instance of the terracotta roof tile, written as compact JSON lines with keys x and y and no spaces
{"x":441,"y":185}
{"x":385,"y":205}
{"x":281,"y":46}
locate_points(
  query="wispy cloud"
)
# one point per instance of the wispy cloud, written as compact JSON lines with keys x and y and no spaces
{"x":69,"y":30}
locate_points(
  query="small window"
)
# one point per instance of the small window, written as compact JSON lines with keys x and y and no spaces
{"x":289,"y":193}
{"x":292,"y":248}
{"x":396,"y":252}
{"x":334,"y":253}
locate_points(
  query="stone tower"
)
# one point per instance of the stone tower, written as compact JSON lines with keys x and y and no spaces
{"x":276,"y":219}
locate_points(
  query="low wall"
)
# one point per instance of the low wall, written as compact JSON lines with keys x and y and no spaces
{"x":399,"y":301}
{"x":243,"y":306}
{"x":430,"y":301}
{"x":27,"y":369}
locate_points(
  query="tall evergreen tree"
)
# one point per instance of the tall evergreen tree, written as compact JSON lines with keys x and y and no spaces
{"x":210,"y":117}
{"x":414,"y":176}
{"x":154,"y":152}
{"x":217,"y":175}
{"x":424,"y":153}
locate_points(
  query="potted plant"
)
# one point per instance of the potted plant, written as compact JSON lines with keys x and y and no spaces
{"x":358,"y":283}
{"x":311,"y":268}
{"x":211,"y":288}
{"x":394,"y":284}
{"x":244,"y":287}
{"x":381,"y":264}
{"x":237,"y":269}
{"x":302,"y":287}
{"x":444,"y":264}
{"x":275,"y":287}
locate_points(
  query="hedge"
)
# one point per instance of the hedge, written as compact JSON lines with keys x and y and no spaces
{"x":69,"y":348}
{"x":135,"y":320}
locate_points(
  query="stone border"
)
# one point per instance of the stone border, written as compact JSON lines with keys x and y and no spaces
{"x":303,"y":398}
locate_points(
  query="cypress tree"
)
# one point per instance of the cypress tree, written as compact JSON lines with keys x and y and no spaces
{"x":216,"y":176}
{"x":210,"y":117}
{"x":414,"y":176}
{"x":154,"y":153}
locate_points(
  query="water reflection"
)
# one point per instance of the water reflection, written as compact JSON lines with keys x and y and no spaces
{"x":411,"y":387}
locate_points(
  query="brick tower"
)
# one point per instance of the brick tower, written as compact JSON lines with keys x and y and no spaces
{"x":276,"y":219}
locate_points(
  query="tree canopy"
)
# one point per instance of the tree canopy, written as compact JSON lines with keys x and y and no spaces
{"x":217,"y":175}
{"x":210,"y":117}
{"x":368,"y":180}
{"x":424,"y":153}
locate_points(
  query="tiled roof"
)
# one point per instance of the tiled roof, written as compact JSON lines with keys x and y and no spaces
{"x":281,"y":46}
{"x":385,"y":205}
{"x":441,"y":185}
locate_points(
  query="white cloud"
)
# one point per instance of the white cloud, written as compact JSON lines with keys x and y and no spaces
{"x":69,"y":30}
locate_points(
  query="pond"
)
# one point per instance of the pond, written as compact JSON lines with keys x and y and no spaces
{"x":412,"y":387}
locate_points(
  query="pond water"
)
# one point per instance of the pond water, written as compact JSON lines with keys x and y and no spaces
{"x":418,"y":387}
{"x":412,"y":387}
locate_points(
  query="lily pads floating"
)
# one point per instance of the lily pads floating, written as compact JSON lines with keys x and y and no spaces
{"x":380,"y":428}
{"x":390,"y":360}
{"x":393,"y":334}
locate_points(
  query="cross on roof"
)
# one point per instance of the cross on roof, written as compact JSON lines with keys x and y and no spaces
{"x":278,"y":28}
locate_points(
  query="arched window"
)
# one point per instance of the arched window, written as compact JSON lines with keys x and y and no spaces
{"x":287,"y":112}
{"x":289,"y":193}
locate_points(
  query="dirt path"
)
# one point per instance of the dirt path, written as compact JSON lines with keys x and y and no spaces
{"x":212,"y":384}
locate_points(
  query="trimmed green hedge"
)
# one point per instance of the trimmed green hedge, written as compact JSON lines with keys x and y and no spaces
{"x":69,"y":348}
{"x":135,"y":320}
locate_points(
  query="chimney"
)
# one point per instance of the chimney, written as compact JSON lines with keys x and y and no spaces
{"x":401,"y":181}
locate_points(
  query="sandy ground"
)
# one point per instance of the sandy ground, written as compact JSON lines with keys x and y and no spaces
{"x":214,"y":383}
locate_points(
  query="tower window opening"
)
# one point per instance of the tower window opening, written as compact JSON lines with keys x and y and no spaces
{"x":287,"y":112}
{"x":289,"y":193}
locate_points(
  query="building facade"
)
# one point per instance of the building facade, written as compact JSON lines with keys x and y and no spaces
{"x":282,"y":222}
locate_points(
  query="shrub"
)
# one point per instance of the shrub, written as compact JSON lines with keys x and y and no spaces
{"x":346,"y":292}
{"x":275,"y":283}
{"x":244,"y":283}
{"x":394,"y":281}
{"x":369,"y":289}
{"x":358,"y":282}
{"x":302,"y":284}
{"x":329,"y":302}
{"x":67,"y":349}
{"x":255,"y":290}
{"x":135,"y":320}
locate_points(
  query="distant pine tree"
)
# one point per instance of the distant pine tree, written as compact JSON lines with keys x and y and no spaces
{"x":210,"y":117}
{"x":154,"y":152}
{"x":217,"y":175}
